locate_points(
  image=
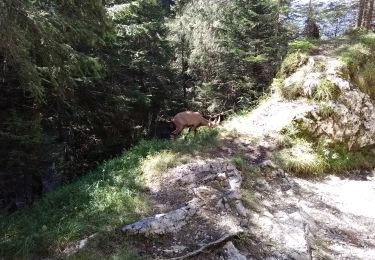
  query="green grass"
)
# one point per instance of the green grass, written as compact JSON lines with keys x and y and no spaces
{"x":358,"y":55}
{"x":239,"y":162}
{"x":291,"y":92}
{"x":325,"y":109}
{"x":291,"y":63}
{"x":309,"y":156}
{"x":101,"y":201}
{"x":301,"y":158}
{"x":319,"y":66}
{"x":298,"y":51}
{"x":325,"y":91}
{"x":302,"y":45}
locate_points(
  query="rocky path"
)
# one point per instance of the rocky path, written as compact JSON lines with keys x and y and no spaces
{"x":295,"y":218}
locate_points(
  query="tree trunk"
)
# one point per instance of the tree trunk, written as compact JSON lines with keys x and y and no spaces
{"x":360,"y":12}
{"x":369,"y":15}
{"x":365,"y":13}
{"x":310,"y":15}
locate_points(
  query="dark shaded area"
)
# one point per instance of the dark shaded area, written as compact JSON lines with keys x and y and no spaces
{"x":311,"y":29}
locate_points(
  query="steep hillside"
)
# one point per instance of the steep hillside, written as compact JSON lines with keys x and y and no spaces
{"x":270,"y":184}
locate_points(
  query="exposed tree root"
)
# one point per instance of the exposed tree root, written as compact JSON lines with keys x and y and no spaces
{"x":203,"y":248}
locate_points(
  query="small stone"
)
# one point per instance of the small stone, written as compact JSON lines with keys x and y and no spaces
{"x":285,"y":187}
{"x":268,"y":163}
{"x":220,"y":204}
{"x":240,"y":208}
{"x":261,"y":184}
{"x":279,"y":173}
{"x":178,"y":248}
{"x":222,"y":176}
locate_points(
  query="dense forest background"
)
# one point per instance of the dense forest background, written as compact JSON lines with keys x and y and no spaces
{"x":82,"y":80}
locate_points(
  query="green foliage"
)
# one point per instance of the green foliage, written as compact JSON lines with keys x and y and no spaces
{"x":103,"y":200}
{"x":326,"y":90}
{"x":21,"y":140}
{"x":140,"y":61}
{"x":225,"y":51}
{"x":91,"y":83}
{"x":239,"y":162}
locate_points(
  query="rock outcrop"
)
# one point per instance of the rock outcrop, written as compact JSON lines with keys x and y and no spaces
{"x":347,"y":117}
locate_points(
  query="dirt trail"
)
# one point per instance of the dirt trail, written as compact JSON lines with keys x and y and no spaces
{"x":269,"y":118}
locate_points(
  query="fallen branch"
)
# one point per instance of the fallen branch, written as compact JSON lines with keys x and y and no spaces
{"x":201,"y":249}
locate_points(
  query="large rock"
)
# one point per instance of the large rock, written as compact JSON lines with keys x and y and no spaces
{"x":351,"y":120}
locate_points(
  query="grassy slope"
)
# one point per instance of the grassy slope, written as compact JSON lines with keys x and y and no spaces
{"x":357,"y":51}
{"x":102,"y":201}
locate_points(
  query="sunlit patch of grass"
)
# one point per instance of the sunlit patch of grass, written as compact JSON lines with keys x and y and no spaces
{"x":319,"y":66}
{"x":291,"y":63}
{"x":301,"y":158}
{"x":298,"y":51}
{"x":307,"y":155}
{"x":277,"y":85}
{"x":103,"y":200}
{"x":153,"y":166}
{"x":355,"y":54}
{"x":302,"y":45}
{"x":239,"y":162}
{"x":325,"y":109}
{"x":358,"y":58}
{"x":326,"y":90}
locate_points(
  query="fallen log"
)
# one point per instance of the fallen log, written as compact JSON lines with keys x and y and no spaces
{"x":166,"y":222}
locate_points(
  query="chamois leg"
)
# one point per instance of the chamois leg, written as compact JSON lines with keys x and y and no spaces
{"x":195,"y":130}
{"x":177,"y":131}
